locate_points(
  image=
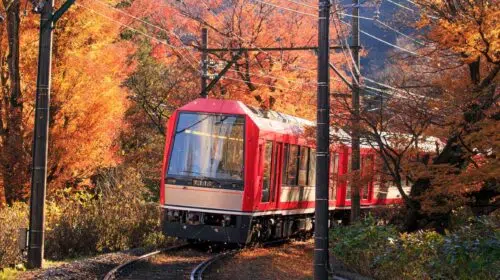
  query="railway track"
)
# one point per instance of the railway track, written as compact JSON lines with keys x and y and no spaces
{"x":179,"y":262}
{"x":197,"y":273}
{"x":117,"y":271}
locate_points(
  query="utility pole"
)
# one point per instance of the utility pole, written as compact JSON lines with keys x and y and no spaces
{"x":323,"y":143}
{"x":204,"y":62}
{"x":41,"y":135}
{"x":355,"y":145}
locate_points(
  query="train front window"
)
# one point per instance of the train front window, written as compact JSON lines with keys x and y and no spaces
{"x":208,"y":146}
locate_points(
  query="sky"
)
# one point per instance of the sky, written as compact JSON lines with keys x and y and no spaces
{"x":377,"y":51}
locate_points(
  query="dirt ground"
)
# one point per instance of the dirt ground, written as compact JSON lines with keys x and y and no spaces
{"x":291,"y":261}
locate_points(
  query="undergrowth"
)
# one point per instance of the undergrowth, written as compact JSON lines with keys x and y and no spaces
{"x":472,"y":251}
{"x":113,"y":216}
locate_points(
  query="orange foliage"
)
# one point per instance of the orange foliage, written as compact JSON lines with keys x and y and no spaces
{"x":87,"y":101}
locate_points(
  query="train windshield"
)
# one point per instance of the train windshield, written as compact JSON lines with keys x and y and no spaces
{"x":208,"y":146}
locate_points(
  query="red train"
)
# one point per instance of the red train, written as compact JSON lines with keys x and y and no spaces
{"x":234,"y":173}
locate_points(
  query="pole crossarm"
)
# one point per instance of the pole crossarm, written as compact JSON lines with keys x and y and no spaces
{"x":57,"y":14}
{"x":222,"y":72}
{"x":344,"y":79}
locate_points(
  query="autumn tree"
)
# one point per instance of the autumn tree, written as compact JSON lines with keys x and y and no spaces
{"x":87,"y":100}
{"x":449,"y":89}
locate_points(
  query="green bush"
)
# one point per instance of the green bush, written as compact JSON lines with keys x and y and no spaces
{"x":112,"y":216}
{"x":116,"y":218}
{"x":11,"y":220}
{"x":470,"y":252}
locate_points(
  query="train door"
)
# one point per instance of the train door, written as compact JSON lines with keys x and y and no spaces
{"x":270,"y":178}
{"x":367,"y":174}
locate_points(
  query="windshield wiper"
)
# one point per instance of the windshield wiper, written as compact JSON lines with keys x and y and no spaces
{"x":192,"y":125}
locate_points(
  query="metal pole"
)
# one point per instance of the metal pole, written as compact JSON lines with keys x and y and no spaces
{"x":204,"y":62}
{"x":322,"y":149}
{"x":355,"y":152}
{"x":40,"y":146}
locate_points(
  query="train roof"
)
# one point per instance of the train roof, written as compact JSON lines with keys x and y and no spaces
{"x":287,"y":124}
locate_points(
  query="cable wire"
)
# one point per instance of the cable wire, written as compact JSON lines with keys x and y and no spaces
{"x":286,"y":9}
{"x":177,"y":36}
{"x":246,"y":41}
{"x":303,"y":4}
{"x":174,"y":48}
{"x":346,"y":44}
{"x":401,"y":6}
{"x":399,"y":32}
{"x":383,"y":41}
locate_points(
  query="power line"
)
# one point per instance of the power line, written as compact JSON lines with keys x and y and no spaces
{"x":385,"y":25}
{"x":174,"y":48}
{"x":302,"y":4}
{"x":396,"y":89}
{"x":248,"y":42}
{"x":173,"y":33}
{"x":401,"y":6}
{"x":410,"y":9}
{"x":399,"y":32}
{"x":286,"y":9}
{"x":353,"y":16}
{"x":383,"y":41}
{"x":243,"y":39}
{"x":344,"y":42}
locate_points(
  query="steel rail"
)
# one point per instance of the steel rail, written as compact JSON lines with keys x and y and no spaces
{"x":115,"y":272}
{"x":197,"y":272}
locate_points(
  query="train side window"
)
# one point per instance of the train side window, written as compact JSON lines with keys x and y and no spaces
{"x":266,"y":182}
{"x":348,"y":185}
{"x":292,"y":166}
{"x":312,"y":168}
{"x":285,"y":164}
{"x":303,"y":161}
{"x":334,"y":166}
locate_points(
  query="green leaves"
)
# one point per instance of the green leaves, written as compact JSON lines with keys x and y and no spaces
{"x":470,"y":252}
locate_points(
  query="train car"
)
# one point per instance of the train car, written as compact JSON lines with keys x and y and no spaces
{"x":237,"y":174}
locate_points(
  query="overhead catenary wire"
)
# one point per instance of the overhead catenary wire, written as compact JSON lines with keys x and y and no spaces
{"x":401,"y":6}
{"x":194,"y":58}
{"x":174,"y":48}
{"x":410,"y":9}
{"x":343,"y":41}
{"x":246,"y":41}
{"x":384,"y":25}
{"x":302,"y":4}
{"x":286,"y":9}
{"x":395,"y":89}
{"x":399,"y":32}
{"x":383,"y":41}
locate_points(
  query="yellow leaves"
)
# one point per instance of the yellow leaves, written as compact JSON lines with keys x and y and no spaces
{"x":470,"y":30}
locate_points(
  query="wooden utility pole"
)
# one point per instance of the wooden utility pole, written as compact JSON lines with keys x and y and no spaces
{"x":41,"y":135}
{"x":355,"y":145}
{"x":323,"y":143}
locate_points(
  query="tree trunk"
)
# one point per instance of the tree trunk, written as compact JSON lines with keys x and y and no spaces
{"x":14,"y":171}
